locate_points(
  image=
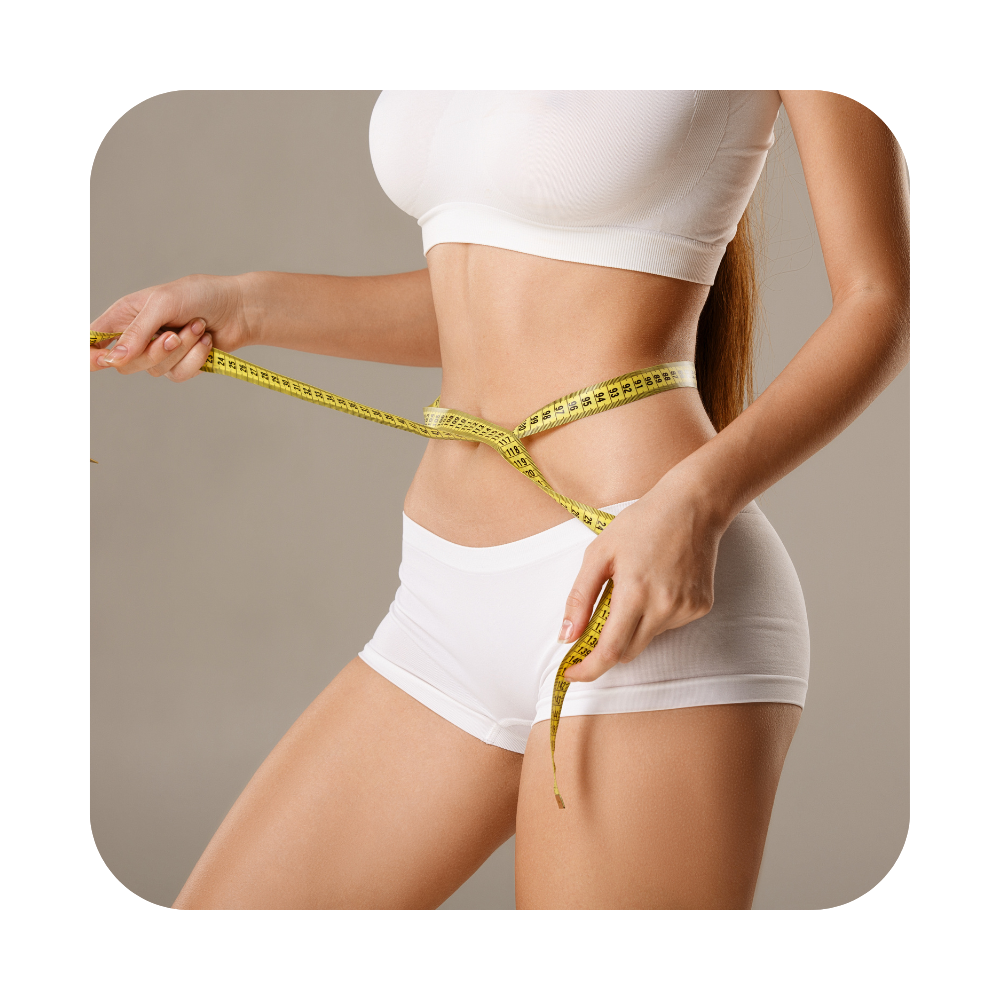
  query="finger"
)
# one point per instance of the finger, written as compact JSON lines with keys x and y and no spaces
{"x":98,"y":354}
{"x":169,"y":348}
{"x":659,"y":618}
{"x":623,"y":617}
{"x":594,"y":573}
{"x":191,"y":363}
{"x":647,"y":629}
{"x":129,"y":354}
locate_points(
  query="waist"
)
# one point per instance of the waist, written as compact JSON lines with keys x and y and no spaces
{"x":466,"y":493}
{"x":516,"y":331}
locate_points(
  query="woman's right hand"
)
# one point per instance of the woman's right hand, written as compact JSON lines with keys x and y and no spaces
{"x":170,"y":329}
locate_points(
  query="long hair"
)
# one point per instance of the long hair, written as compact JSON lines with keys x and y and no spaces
{"x":724,"y":351}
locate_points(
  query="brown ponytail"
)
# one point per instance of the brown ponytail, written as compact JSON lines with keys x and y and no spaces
{"x":724,"y":351}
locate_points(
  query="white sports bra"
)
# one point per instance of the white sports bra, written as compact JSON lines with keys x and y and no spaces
{"x":652,"y":181}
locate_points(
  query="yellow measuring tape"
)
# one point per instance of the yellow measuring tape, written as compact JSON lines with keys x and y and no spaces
{"x":453,"y":425}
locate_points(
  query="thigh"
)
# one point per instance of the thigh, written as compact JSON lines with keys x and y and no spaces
{"x":370,"y":801}
{"x":664,"y":810}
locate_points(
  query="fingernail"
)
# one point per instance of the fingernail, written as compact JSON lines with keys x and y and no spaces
{"x":102,"y":359}
{"x":564,"y":632}
{"x":197,"y":326}
{"x":207,"y":339}
{"x":118,"y":354}
{"x":171,"y":342}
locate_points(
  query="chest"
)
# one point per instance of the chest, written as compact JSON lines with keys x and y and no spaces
{"x":555,"y":156}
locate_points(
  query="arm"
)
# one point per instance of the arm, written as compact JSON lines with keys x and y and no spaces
{"x":661,"y":551}
{"x":387,"y":318}
{"x":857,"y":185}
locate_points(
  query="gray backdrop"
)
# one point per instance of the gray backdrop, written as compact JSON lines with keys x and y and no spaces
{"x":228,"y":522}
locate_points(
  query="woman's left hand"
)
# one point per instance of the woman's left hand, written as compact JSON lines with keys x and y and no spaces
{"x":661,"y":554}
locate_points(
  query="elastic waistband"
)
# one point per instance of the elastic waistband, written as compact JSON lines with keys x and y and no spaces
{"x":523,"y":552}
{"x":493,"y":558}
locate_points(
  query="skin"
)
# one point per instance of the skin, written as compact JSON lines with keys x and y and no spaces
{"x":670,"y":809}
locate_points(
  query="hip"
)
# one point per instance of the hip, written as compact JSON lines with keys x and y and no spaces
{"x":755,"y":582}
{"x":473,"y":631}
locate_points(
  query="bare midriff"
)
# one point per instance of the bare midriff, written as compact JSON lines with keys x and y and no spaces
{"x":517,"y":331}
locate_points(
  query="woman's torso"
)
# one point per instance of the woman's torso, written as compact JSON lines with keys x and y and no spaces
{"x":609,"y":213}
{"x":518,"y":331}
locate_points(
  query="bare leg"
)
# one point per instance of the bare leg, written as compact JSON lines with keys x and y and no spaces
{"x":370,"y":801}
{"x":664,"y":810}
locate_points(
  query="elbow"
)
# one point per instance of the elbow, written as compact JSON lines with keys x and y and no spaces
{"x":882,"y":309}
{"x":893,"y":290}
{"x":886,"y":304}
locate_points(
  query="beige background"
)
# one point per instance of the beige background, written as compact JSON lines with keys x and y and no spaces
{"x":229,"y":523}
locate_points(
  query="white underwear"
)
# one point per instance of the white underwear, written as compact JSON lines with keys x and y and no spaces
{"x":472,"y":632}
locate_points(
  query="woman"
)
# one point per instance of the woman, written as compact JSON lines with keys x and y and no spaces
{"x":569,"y":238}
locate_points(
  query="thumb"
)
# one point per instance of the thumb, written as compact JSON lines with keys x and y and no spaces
{"x":594,"y":573}
{"x":135,"y":338}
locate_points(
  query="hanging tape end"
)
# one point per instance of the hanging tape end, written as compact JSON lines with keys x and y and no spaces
{"x":94,"y":460}
{"x":559,"y":800}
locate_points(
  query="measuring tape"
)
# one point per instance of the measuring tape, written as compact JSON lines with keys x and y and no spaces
{"x":441,"y":423}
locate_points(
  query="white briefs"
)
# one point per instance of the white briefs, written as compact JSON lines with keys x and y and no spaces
{"x":472,"y":632}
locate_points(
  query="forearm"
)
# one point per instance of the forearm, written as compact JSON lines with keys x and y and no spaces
{"x":388,"y":318}
{"x":848,"y":361}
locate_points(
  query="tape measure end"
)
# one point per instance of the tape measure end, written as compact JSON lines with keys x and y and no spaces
{"x":94,"y":460}
{"x":559,"y":801}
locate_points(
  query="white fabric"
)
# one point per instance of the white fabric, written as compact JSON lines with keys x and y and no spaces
{"x":472,"y":632}
{"x":652,"y":181}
